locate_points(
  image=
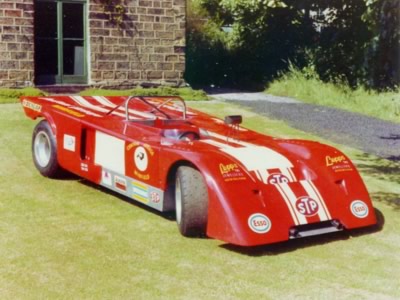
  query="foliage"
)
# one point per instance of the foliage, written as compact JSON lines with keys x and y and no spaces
{"x":185,"y":93}
{"x":352,"y":41}
{"x":12,"y":95}
{"x":115,"y":10}
{"x":306,"y":86}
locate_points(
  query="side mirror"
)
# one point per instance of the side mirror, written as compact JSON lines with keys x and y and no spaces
{"x":233,"y":120}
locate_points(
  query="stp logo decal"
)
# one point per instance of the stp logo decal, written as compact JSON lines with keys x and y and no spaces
{"x":141,"y":158}
{"x":359,"y":209}
{"x":277,"y":179}
{"x":307,"y":206}
{"x":259,"y":223}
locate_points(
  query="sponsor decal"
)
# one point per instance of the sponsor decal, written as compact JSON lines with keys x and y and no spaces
{"x":84,"y":167}
{"x":330,"y":161}
{"x":142,"y":176}
{"x":231,"y":172}
{"x":141,"y":159}
{"x":68,"y":111}
{"x":155,"y":197}
{"x":359,"y":209}
{"x":32,"y":106}
{"x":120,"y":183}
{"x":338,"y":163}
{"x":136,"y":144}
{"x":307,"y":206}
{"x":106,"y":178}
{"x":259,"y":223}
{"x":277,"y":179}
{"x":69,"y":142}
{"x":140,"y":192}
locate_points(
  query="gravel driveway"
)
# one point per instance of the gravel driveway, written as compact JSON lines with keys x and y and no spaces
{"x":371,"y":135}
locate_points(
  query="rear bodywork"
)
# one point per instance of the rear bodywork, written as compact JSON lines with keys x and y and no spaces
{"x":261,"y":189}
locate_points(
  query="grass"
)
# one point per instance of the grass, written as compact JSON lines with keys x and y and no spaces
{"x":185,"y":93}
{"x":310,"y":89}
{"x":68,"y":239}
{"x":12,"y":95}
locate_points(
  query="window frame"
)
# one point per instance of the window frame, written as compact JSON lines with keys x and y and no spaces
{"x":62,"y":78}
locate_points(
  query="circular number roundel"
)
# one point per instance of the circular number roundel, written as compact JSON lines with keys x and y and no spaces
{"x":259,"y":223}
{"x":359,"y":209}
{"x":141,"y":159}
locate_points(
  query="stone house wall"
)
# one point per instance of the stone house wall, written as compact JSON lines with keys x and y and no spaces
{"x":16,"y":43}
{"x":147,"y":48}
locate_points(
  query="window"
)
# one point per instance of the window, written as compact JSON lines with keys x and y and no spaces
{"x":60,"y":41}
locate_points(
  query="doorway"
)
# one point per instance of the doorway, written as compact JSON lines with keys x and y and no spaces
{"x":60,"y":42}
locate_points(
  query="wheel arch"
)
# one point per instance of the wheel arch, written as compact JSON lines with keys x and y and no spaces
{"x":169,"y":196}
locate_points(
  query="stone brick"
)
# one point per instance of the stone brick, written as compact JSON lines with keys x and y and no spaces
{"x":6,"y":21}
{"x":16,"y":13}
{"x":11,"y":29}
{"x":9,"y":5}
{"x":3,"y":74}
{"x":179,"y":66}
{"x":8,"y":38}
{"x":13,"y":47}
{"x":165,"y":66}
{"x":154,"y":75}
{"x":18,"y":75}
{"x":19,"y":55}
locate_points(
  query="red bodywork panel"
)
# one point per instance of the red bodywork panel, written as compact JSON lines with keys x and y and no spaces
{"x":261,"y":189}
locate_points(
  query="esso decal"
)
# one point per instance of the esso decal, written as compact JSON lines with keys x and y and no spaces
{"x":259,"y":223}
{"x":141,"y":159}
{"x":359,"y":209}
{"x":277,"y":179}
{"x":307,"y":206}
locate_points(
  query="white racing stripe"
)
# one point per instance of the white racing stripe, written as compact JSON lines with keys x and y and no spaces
{"x":313,"y":192}
{"x":78,"y":108}
{"x":83,"y":102}
{"x":256,"y":158}
{"x":290,"y":206}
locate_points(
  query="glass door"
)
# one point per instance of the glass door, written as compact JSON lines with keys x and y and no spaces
{"x":60,"y":42}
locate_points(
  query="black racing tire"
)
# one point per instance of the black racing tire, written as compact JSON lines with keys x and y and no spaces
{"x":191,"y":202}
{"x":44,"y":151}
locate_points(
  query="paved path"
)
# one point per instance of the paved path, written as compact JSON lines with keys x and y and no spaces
{"x":371,"y":135}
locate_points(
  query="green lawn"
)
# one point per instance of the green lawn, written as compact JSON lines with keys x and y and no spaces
{"x":310,"y":89}
{"x":68,"y":239}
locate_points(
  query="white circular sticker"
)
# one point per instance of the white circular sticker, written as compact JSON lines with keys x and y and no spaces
{"x":141,"y":159}
{"x":259,"y":223}
{"x":359,"y":209}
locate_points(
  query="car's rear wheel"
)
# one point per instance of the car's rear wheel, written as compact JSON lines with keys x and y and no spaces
{"x":191,"y":202}
{"x":44,"y":150}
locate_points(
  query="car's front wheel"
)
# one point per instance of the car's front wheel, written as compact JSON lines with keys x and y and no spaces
{"x":44,"y":150}
{"x":191,"y":202}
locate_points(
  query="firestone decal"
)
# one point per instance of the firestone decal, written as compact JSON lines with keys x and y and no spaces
{"x":359,"y":209}
{"x":277,"y":179}
{"x":231,"y":172}
{"x":31,"y":105}
{"x":259,"y":223}
{"x":307,"y":206}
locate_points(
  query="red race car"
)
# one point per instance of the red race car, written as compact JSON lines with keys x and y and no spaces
{"x":223,"y":181}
